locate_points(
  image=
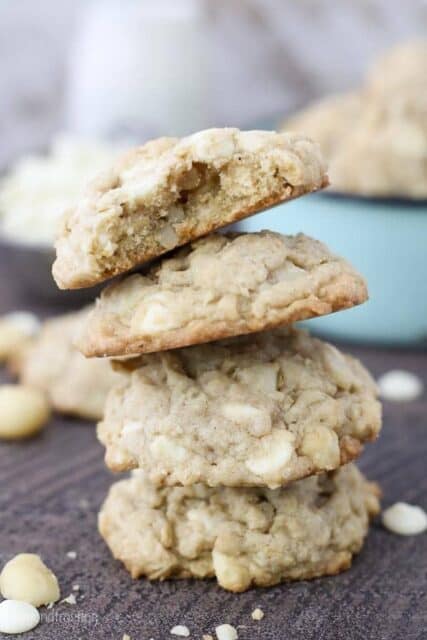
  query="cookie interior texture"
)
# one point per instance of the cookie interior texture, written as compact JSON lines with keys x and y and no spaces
{"x":264,"y":409}
{"x":243,"y":537}
{"x":221,"y":286}
{"x":172,"y":191}
{"x":74,"y":384}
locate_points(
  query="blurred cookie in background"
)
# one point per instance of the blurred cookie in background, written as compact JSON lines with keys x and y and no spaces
{"x":376,"y":140}
{"x":74,"y":385}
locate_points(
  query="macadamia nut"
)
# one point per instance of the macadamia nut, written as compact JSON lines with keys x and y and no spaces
{"x":23,"y":411}
{"x":16,"y":330}
{"x":27,"y":578}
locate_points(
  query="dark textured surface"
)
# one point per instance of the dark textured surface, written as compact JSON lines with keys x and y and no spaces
{"x":52,"y":487}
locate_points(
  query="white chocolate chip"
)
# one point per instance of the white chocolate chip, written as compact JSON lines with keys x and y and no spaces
{"x":17,"y":616}
{"x":180,"y":630}
{"x":321,"y":445}
{"x":27,"y":578}
{"x":226,"y":632}
{"x":129,"y":428}
{"x":400,"y":386}
{"x":153,"y":316}
{"x":405,"y":519}
{"x":257,"y":614}
{"x":23,"y":411}
{"x":164,"y":447}
{"x":207,"y":636}
{"x":257,"y":421}
{"x":274,"y":453}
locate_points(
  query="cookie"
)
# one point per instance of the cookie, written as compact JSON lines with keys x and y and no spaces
{"x":390,"y":142}
{"x":172,"y":191}
{"x":258,"y":410}
{"x":221,"y":286}
{"x":375,"y":140}
{"x":328,"y":120}
{"x":243,"y":537}
{"x":73,"y":384}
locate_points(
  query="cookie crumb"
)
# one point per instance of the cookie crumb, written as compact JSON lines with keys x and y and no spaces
{"x":226,"y":632}
{"x":405,"y":519}
{"x":72,"y":555}
{"x":180,"y":630}
{"x":126,"y":637}
{"x":257,"y":614}
{"x":207,"y":636}
{"x":71,"y":599}
{"x":399,"y":385}
{"x":76,"y":587}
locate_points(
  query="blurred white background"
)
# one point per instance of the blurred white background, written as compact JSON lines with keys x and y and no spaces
{"x":255,"y":58}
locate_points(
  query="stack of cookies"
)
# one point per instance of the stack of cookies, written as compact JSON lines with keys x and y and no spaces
{"x":239,"y":428}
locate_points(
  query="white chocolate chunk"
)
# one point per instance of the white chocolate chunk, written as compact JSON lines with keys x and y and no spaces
{"x":258,"y":421}
{"x":226,"y":632}
{"x":181,"y":631}
{"x":405,"y":519}
{"x":260,"y":376}
{"x":230,"y":573}
{"x":17,"y":617}
{"x":274,"y":453}
{"x":400,"y":386}
{"x":27,"y":578}
{"x":23,"y":411}
{"x":153,"y":316}
{"x":131,"y":427}
{"x":164,"y":447}
{"x":321,"y":445}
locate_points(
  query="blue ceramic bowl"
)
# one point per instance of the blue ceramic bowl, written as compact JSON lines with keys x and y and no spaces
{"x":386,"y":240}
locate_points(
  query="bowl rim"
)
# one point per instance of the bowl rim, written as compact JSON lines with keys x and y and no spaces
{"x":389,"y":201}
